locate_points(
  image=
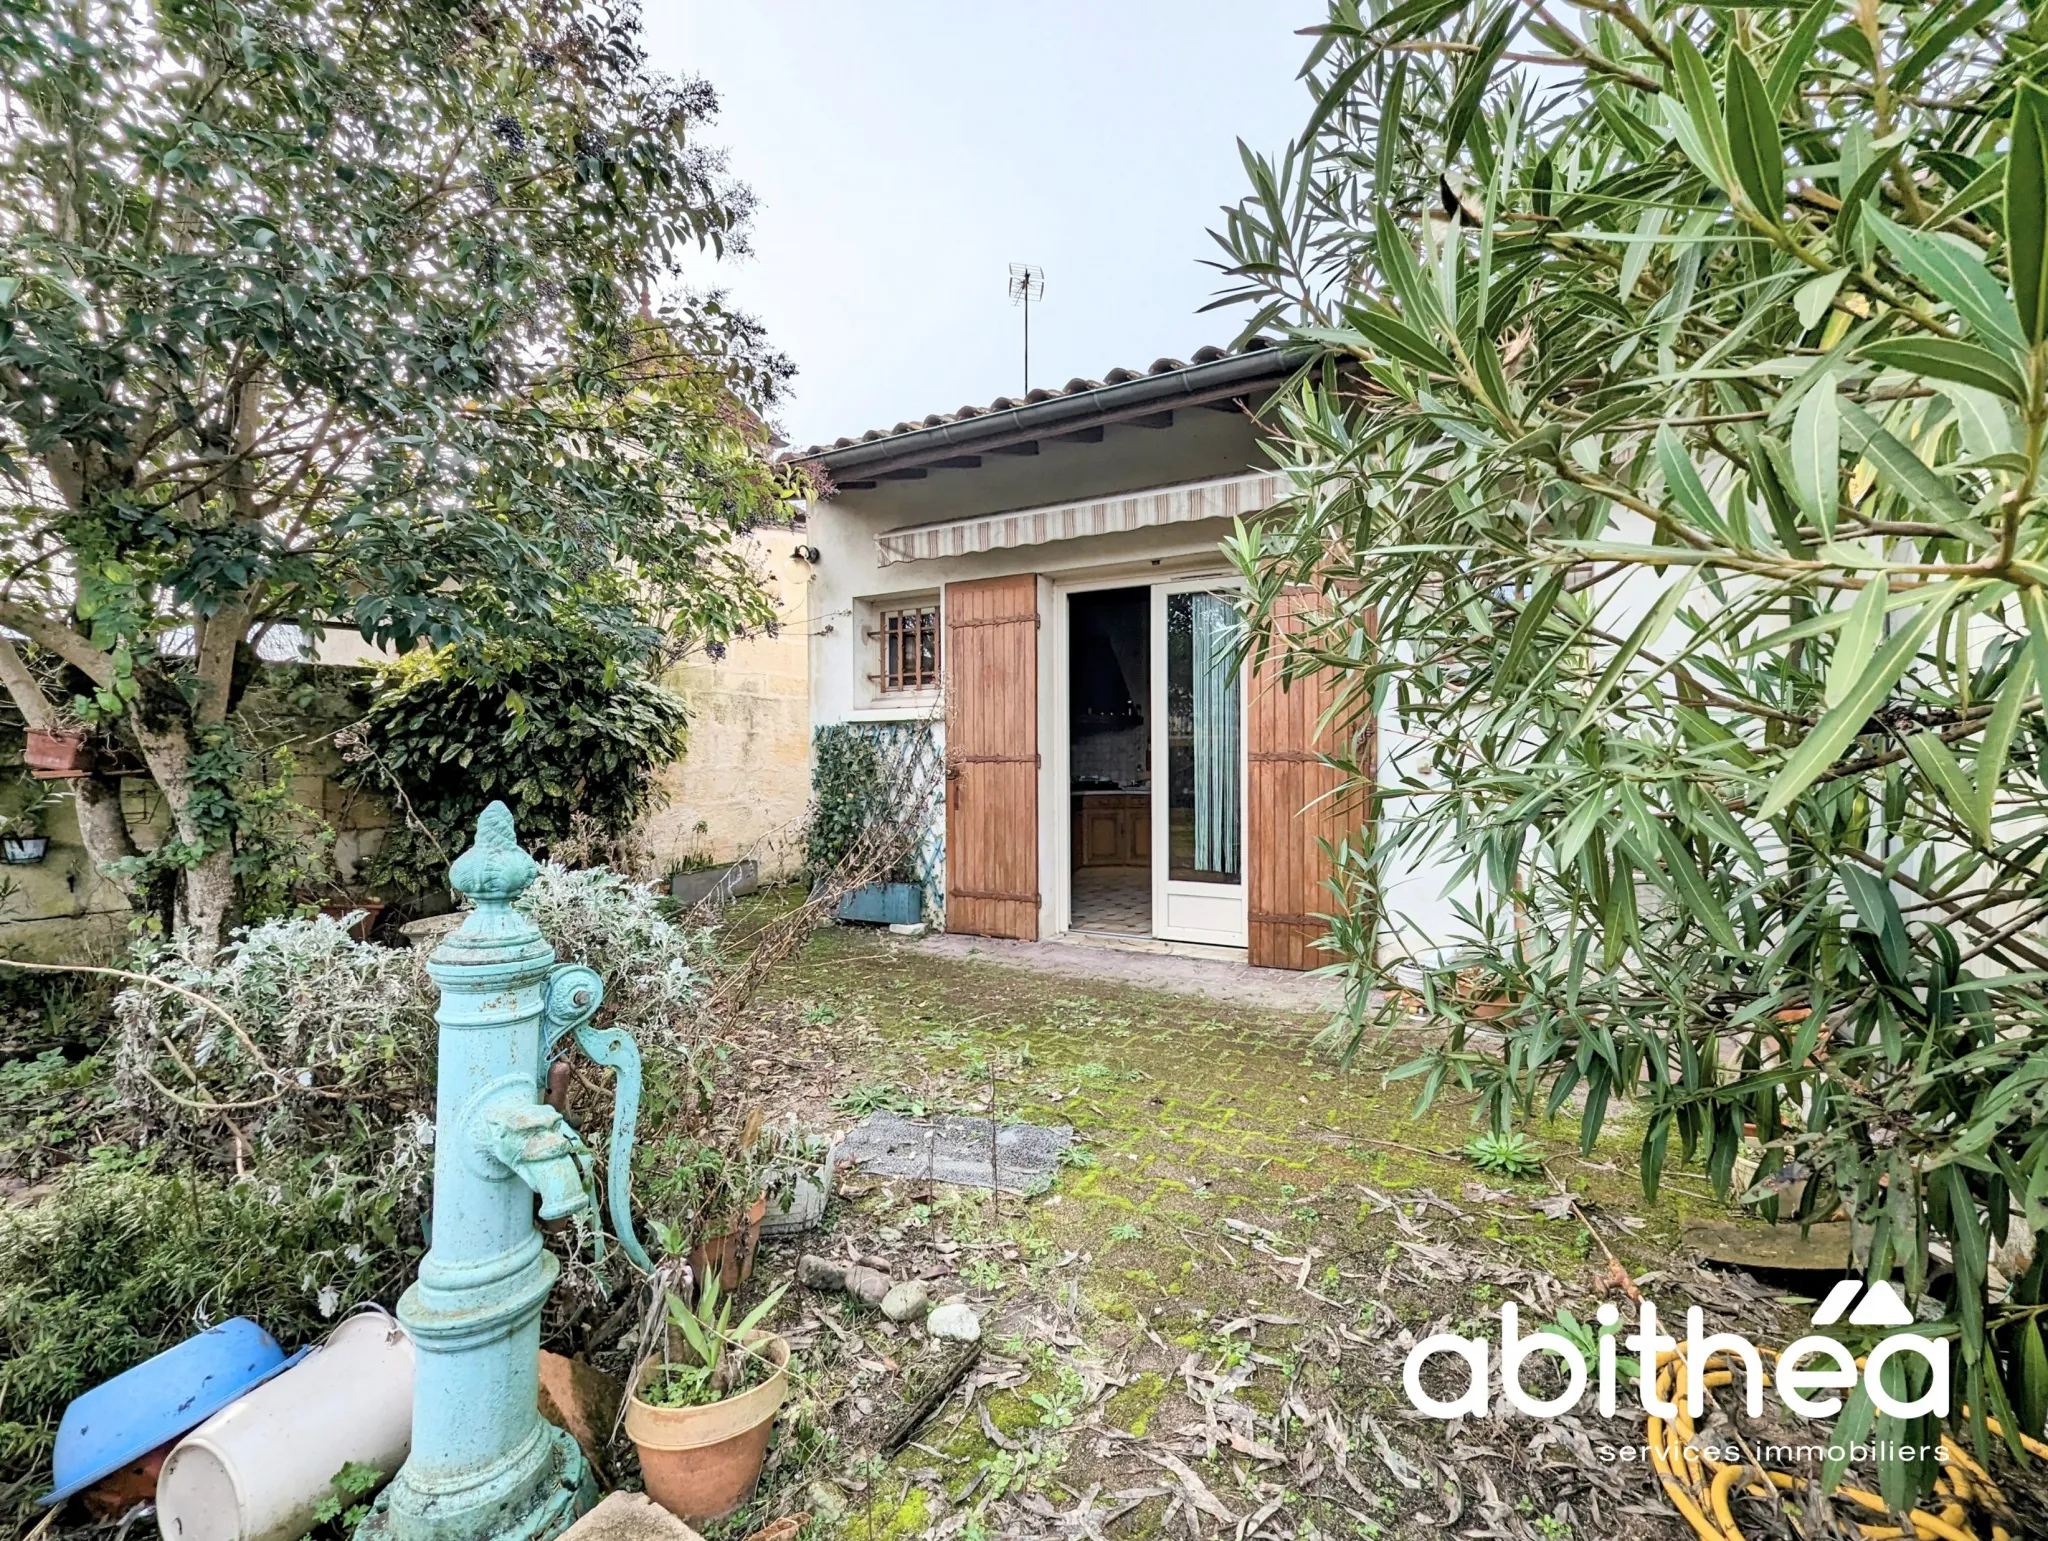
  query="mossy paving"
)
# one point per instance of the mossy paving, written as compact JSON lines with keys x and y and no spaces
{"x":1224,"y":1171}
{"x":1190,"y":1111}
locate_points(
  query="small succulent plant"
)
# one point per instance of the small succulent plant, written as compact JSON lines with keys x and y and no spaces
{"x":1510,"y":1155}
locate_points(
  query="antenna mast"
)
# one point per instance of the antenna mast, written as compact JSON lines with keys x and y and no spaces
{"x":1027,"y":283}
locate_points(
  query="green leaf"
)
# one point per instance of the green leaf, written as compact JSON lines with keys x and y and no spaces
{"x":1907,"y":474}
{"x":1337,"y":93}
{"x":1817,"y":455}
{"x":755,"y":1317}
{"x":1879,"y":912}
{"x":1945,"y":774}
{"x":1956,"y":277}
{"x":1795,"y":54}
{"x":2031,"y":1401}
{"x":1841,"y":724}
{"x":1375,"y":331}
{"x":1390,"y":141}
{"x":1696,"y":90}
{"x":1578,"y":828}
{"x":2026,"y":210}
{"x":1756,"y":150}
{"x":1529,"y":624}
{"x":1810,"y":301}
{"x":1414,"y":18}
{"x":2013,"y":695}
{"x":1942,"y":358}
{"x":1649,"y":225}
{"x":1396,"y":260}
{"x":1683,"y":486}
{"x":1985,"y":424}
{"x":1854,"y":1422}
{"x":1476,"y":74}
{"x":2034,"y":606}
{"x":1699,"y":900}
{"x":1859,"y":635}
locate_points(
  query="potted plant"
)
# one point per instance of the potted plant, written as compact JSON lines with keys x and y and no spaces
{"x":23,"y":840}
{"x":701,"y":1409}
{"x":56,"y":753}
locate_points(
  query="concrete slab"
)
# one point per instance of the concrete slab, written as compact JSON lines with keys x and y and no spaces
{"x":1106,"y":963}
{"x":629,"y":1517}
{"x":955,"y":1150}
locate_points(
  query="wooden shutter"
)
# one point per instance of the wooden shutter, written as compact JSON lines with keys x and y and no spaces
{"x":991,"y":673}
{"x":1290,"y":806}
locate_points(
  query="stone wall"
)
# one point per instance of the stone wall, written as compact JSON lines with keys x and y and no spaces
{"x":60,"y":909}
{"x":743,"y":786}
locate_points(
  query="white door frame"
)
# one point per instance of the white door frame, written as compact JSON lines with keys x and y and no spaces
{"x":1056,"y":845}
{"x":1056,"y":801}
{"x":1213,"y":914}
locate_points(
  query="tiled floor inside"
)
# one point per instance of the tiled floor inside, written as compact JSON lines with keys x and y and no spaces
{"x":1115,"y":899}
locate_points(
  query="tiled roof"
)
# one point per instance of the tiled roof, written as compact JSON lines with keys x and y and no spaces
{"x":1074,"y":387}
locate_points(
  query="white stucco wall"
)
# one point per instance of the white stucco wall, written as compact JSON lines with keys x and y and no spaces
{"x":1203,"y":444}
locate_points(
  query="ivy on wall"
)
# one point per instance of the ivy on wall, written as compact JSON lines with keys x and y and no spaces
{"x":862,"y":772}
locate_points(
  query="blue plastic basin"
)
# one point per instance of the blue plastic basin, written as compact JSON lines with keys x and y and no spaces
{"x":123,"y":1419}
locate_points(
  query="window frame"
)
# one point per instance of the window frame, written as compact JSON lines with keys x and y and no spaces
{"x":919,"y":688}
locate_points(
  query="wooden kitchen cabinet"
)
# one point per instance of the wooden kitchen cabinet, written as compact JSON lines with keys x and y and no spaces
{"x":1112,"y":830}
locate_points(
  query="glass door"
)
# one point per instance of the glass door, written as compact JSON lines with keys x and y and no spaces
{"x":1198,"y":761}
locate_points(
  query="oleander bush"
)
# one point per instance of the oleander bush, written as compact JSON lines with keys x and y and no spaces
{"x":1667,"y":461}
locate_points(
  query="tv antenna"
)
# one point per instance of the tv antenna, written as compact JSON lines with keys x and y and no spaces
{"x":1027,"y":283}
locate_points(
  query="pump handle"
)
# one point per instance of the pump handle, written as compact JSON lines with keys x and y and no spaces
{"x":574,"y":994}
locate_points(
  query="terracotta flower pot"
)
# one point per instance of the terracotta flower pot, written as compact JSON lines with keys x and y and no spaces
{"x":701,"y":1463}
{"x":367,"y":911}
{"x":54,"y":756}
{"x":729,"y":1256}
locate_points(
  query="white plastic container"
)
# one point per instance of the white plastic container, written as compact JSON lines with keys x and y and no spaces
{"x":255,"y":1469}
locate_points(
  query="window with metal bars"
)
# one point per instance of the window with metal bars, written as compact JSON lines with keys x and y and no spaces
{"x":909,"y":641}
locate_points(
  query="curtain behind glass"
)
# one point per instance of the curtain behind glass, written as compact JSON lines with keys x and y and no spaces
{"x":1216,"y":737}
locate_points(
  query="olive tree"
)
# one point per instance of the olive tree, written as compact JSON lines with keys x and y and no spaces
{"x":1670,"y":484}
{"x":331,"y":312}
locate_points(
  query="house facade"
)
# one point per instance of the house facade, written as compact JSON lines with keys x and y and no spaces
{"x":1029,"y":605}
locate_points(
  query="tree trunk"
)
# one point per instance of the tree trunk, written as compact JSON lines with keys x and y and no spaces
{"x":206,"y":890}
{"x":104,"y":828}
{"x":206,"y":901}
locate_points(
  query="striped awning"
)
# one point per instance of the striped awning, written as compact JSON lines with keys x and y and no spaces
{"x":1223,"y":499}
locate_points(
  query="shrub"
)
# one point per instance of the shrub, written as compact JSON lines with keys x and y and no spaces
{"x":653,"y":969}
{"x":317,"y":1015}
{"x":1668,"y":469}
{"x":121,"y":1261}
{"x":554,"y":736}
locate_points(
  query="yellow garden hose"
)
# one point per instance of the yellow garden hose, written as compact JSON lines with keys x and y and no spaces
{"x":1702,"y":1487}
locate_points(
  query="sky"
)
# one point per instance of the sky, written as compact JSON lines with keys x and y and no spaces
{"x":905,"y":152}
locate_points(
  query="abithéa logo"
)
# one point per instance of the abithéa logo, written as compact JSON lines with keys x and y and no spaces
{"x":1808,"y":1376}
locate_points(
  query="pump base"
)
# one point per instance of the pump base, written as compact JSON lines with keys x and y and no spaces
{"x":536,"y":1503}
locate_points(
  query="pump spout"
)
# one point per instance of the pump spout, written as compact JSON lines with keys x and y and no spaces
{"x":539,"y":1148}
